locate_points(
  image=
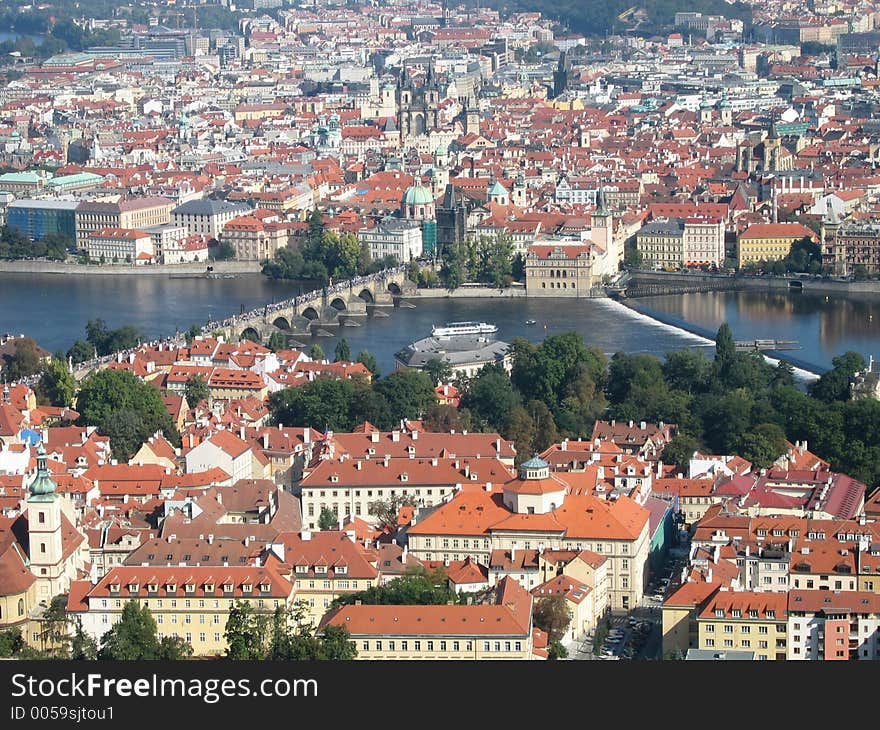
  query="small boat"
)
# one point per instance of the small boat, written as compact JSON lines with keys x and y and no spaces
{"x":531,"y":321}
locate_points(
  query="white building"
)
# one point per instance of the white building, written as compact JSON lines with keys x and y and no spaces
{"x":394,"y":237}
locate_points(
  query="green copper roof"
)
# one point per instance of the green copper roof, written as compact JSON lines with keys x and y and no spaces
{"x":42,"y":489}
{"x":536,"y":462}
{"x":417,"y":195}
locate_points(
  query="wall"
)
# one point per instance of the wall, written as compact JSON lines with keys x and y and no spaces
{"x":50,"y":267}
{"x":468,"y":292}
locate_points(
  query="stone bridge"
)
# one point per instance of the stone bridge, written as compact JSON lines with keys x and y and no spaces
{"x":329,"y":307}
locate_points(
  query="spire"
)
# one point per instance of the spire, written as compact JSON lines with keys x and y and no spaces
{"x":830,"y":214}
{"x":601,"y":211}
{"x":42,"y":489}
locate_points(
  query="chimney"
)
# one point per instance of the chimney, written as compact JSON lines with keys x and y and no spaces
{"x":643,"y":425}
{"x":630,"y":424}
{"x":414,"y":435}
{"x":709,"y":575}
{"x":210,"y":539}
{"x":307,"y":434}
{"x":305,"y":535}
{"x":403,"y":555}
{"x":386,"y":460}
{"x":191,"y":441}
{"x":512,"y":552}
{"x":265,"y":440}
{"x":395,"y":435}
{"x":488,"y":486}
{"x":241,"y":432}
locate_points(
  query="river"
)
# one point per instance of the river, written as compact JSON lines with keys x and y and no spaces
{"x":54,"y":310}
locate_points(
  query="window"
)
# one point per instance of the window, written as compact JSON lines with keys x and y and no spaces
{"x":710,"y":628}
{"x":762,"y":629}
{"x":710,"y":642}
{"x":404,"y":646}
{"x":430,"y":646}
{"x":442,"y":646}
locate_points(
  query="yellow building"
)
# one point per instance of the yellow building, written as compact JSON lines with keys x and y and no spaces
{"x":189,"y":602}
{"x":501,"y":628}
{"x":745,"y":621}
{"x":770,"y":241}
{"x":325,"y":565}
{"x":680,"y":610}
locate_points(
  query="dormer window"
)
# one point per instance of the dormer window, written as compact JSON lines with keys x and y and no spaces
{"x":753,"y":613}
{"x":133,"y":587}
{"x":227,"y":587}
{"x":762,"y":533}
{"x":265,"y":587}
{"x":719,"y":612}
{"x":190,"y":588}
{"x":114,"y":587}
{"x":302,"y":569}
{"x":736,"y":613}
{"x":246,"y":587}
{"x":777,"y":533}
{"x":341,"y":569}
{"x":209,"y":587}
{"x":404,"y":477}
{"x":334,"y":478}
{"x":152,"y":588}
{"x":771,"y":613}
{"x":171,"y":587}
{"x":320,"y":568}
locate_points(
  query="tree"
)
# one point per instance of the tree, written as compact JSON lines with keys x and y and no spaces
{"x":124,"y":408}
{"x":518,"y":426}
{"x":321,"y":404}
{"x":190,"y":335}
{"x":680,"y":450}
{"x":418,"y":587}
{"x":439,"y":370}
{"x":557,"y":651}
{"x":860,"y":272}
{"x":687,"y":370}
{"x":277,"y":342}
{"x":134,"y":636}
{"x":316,"y":352}
{"x":342,"y":353}
{"x":337,"y":644}
{"x":174,"y":648}
{"x":387,"y":511}
{"x":328,"y":519}
{"x":196,"y":390}
{"x":409,"y":393}
{"x":81,"y":351}
{"x":491,"y":396}
{"x":24,"y":362}
{"x":551,"y":614}
{"x":834,"y":385}
{"x":762,"y":445}
{"x":11,"y":642}
{"x":224,"y":251}
{"x":57,"y":386}
{"x":446,"y":418}
{"x":246,"y":632}
{"x":725,"y":346}
{"x":368,"y":360}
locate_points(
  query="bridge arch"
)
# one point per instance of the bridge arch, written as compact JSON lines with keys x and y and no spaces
{"x":282,"y":323}
{"x":310,"y":313}
{"x":338,"y":304}
{"x":367,"y":296}
{"x":394,"y":289}
{"x":252,"y":334}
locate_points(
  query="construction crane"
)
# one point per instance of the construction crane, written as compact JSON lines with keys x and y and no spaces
{"x":626,"y":13}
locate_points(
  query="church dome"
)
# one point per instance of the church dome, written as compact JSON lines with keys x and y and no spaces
{"x":441,"y":149}
{"x":417,"y":195}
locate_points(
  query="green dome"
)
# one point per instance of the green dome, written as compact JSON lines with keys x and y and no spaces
{"x":441,"y":149}
{"x":42,"y":488}
{"x":497,"y":189}
{"x":536,"y":462}
{"x":417,"y":195}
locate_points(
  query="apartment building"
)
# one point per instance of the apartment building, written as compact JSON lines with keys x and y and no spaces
{"x":833,"y":625}
{"x":770,"y":241}
{"x":132,"y":213}
{"x":207,"y":217}
{"x":189,"y":602}
{"x":745,"y":621}
{"x":500,"y":628}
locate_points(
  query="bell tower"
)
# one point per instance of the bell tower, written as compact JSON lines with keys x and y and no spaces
{"x":44,"y":532}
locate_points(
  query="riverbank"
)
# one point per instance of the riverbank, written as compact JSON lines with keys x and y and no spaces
{"x":75,"y":269}
{"x":760,"y":283}
{"x":471,"y":291}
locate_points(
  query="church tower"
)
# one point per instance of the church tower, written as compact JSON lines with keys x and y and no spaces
{"x":831,"y":245}
{"x":520,"y":193}
{"x":45,"y":543}
{"x":602,"y":224}
{"x":440,"y":179}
